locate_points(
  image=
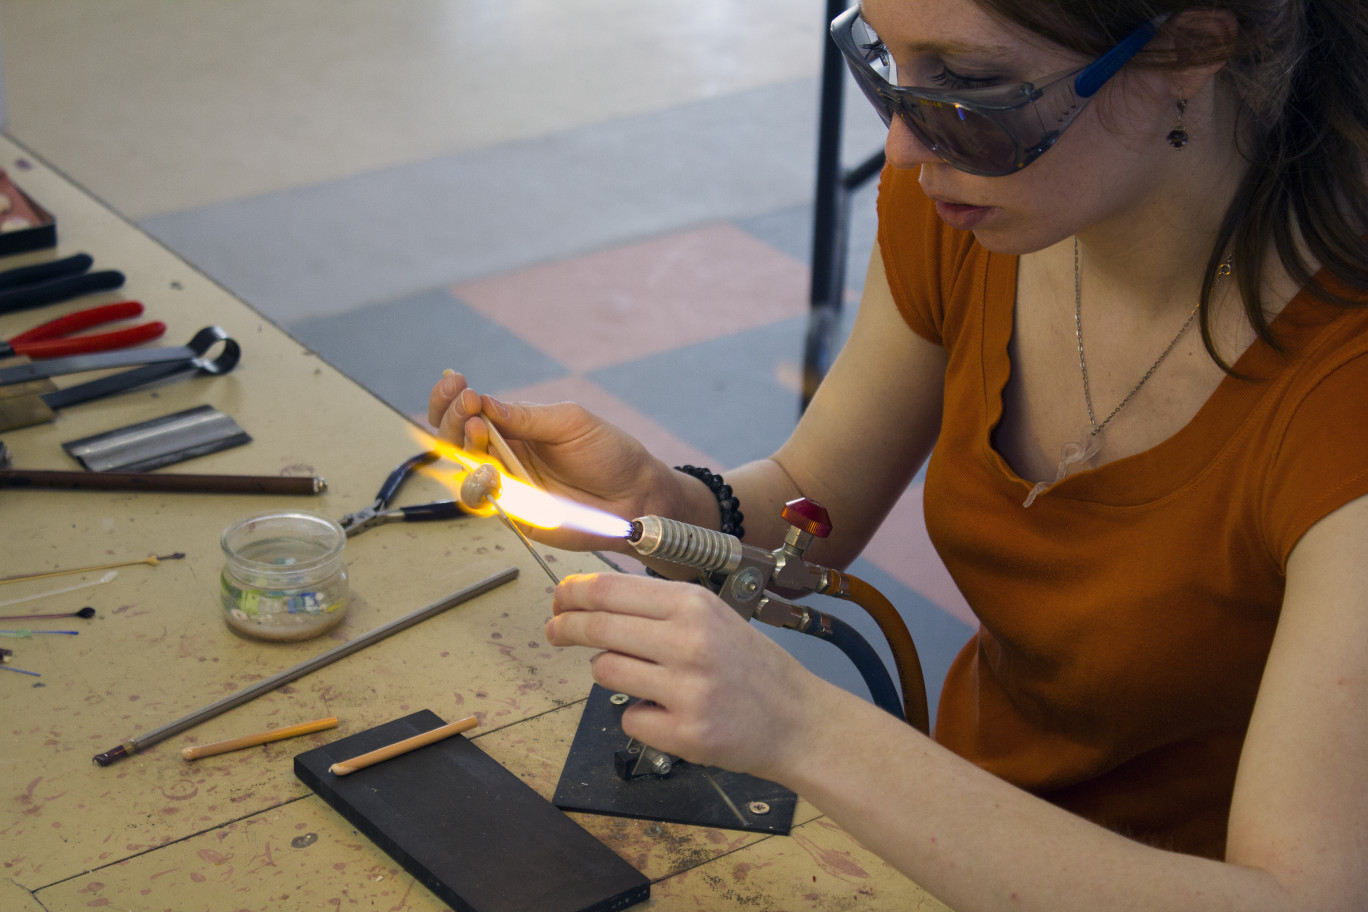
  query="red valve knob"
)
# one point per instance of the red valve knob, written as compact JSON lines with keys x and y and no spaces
{"x":807,"y":515}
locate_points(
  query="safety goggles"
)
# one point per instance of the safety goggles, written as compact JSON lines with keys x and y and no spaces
{"x":991,"y":131}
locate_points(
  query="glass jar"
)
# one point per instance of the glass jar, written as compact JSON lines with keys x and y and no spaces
{"x":283,"y":576}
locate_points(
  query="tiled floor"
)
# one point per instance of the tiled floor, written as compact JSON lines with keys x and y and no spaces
{"x":599,"y":200}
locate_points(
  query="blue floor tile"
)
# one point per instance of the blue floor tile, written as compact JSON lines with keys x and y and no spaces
{"x":398,"y":349}
{"x":791,"y":232}
{"x":724,"y":396}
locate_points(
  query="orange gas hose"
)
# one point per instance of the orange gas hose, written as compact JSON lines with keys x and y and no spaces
{"x":905,"y":658}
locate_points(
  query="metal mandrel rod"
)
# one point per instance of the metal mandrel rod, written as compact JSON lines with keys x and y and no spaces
{"x":153,"y":560}
{"x":523,"y":538}
{"x":108,"y":577}
{"x":26,"y":633}
{"x":84,"y":613}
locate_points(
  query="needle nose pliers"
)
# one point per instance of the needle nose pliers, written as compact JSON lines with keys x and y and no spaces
{"x":379,"y":512}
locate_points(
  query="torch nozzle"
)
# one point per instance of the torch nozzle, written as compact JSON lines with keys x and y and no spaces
{"x":684,"y":543}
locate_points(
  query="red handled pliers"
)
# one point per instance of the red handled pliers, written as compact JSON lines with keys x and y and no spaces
{"x":54,"y":338}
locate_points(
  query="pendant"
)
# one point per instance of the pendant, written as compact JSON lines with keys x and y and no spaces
{"x":1073,"y":453}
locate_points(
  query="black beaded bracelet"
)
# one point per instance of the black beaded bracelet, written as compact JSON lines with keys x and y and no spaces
{"x":727,"y":505}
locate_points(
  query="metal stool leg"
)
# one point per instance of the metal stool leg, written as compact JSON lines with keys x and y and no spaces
{"x":831,"y":209}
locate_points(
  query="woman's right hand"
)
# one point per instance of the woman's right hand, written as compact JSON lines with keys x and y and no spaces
{"x":568,"y":450}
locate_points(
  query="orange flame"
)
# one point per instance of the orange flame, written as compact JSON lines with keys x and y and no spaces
{"x":522,"y":501}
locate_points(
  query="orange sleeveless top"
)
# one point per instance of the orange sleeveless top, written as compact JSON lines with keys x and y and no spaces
{"x":1125,"y":618}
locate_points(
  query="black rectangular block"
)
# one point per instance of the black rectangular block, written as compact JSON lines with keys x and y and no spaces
{"x":466,"y":828}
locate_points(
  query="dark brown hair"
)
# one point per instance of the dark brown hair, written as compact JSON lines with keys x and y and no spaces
{"x":1300,"y":68}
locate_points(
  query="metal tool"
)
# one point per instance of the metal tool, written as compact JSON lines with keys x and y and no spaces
{"x":21,"y":406}
{"x":84,"y":614}
{"x":379,"y":512}
{"x":158,"y":442}
{"x":58,"y":280}
{"x":527,"y":543}
{"x":151,"y":560}
{"x":25,"y":634}
{"x":24,"y":276}
{"x":691,"y":793}
{"x":54,"y":338}
{"x":165,"y":482}
{"x":102,"y":360}
{"x":108,"y":577}
{"x":741,"y":574}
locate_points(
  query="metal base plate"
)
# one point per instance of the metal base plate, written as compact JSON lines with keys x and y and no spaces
{"x":690,"y":794}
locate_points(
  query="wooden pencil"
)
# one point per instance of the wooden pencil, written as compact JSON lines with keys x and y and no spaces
{"x":275,"y":734}
{"x":391,"y":751}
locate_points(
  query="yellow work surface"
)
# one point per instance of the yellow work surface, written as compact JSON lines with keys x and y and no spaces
{"x":238,"y":830}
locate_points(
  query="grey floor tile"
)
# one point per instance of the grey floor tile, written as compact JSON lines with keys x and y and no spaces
{"x":332,"y":247}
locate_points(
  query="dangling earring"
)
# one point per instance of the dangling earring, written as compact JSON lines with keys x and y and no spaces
{"x":1177,"y":137}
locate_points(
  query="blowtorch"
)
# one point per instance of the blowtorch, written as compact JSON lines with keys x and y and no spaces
{"x":740,"y":573}
{"x":745,"y":576}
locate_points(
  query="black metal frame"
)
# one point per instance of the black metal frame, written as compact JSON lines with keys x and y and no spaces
{"x":835,"y":184}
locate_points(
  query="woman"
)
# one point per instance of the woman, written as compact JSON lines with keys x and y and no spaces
{"x":1126,"y":311}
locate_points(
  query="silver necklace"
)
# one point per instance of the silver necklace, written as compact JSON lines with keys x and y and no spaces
{"x":1089,"y":443}
{"x":1093,"y":427}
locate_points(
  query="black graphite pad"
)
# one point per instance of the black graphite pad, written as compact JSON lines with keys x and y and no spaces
{"x":469,"y":830}
{"x":589,"y":782}
{"x":160,"y":442}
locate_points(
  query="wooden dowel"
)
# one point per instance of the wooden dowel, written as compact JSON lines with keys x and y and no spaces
{"x":390,"y":751}
{"x":505,"y":455}
{"x":277,"y":734}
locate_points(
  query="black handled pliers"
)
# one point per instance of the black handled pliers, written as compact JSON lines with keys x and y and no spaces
{"x":379,"y":512}
{"x":26,"y":287}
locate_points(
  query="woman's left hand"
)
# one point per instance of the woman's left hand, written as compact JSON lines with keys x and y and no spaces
{"x":713,"y":689}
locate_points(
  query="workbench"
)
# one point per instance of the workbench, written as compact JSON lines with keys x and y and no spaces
{"x":239,"y":830}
